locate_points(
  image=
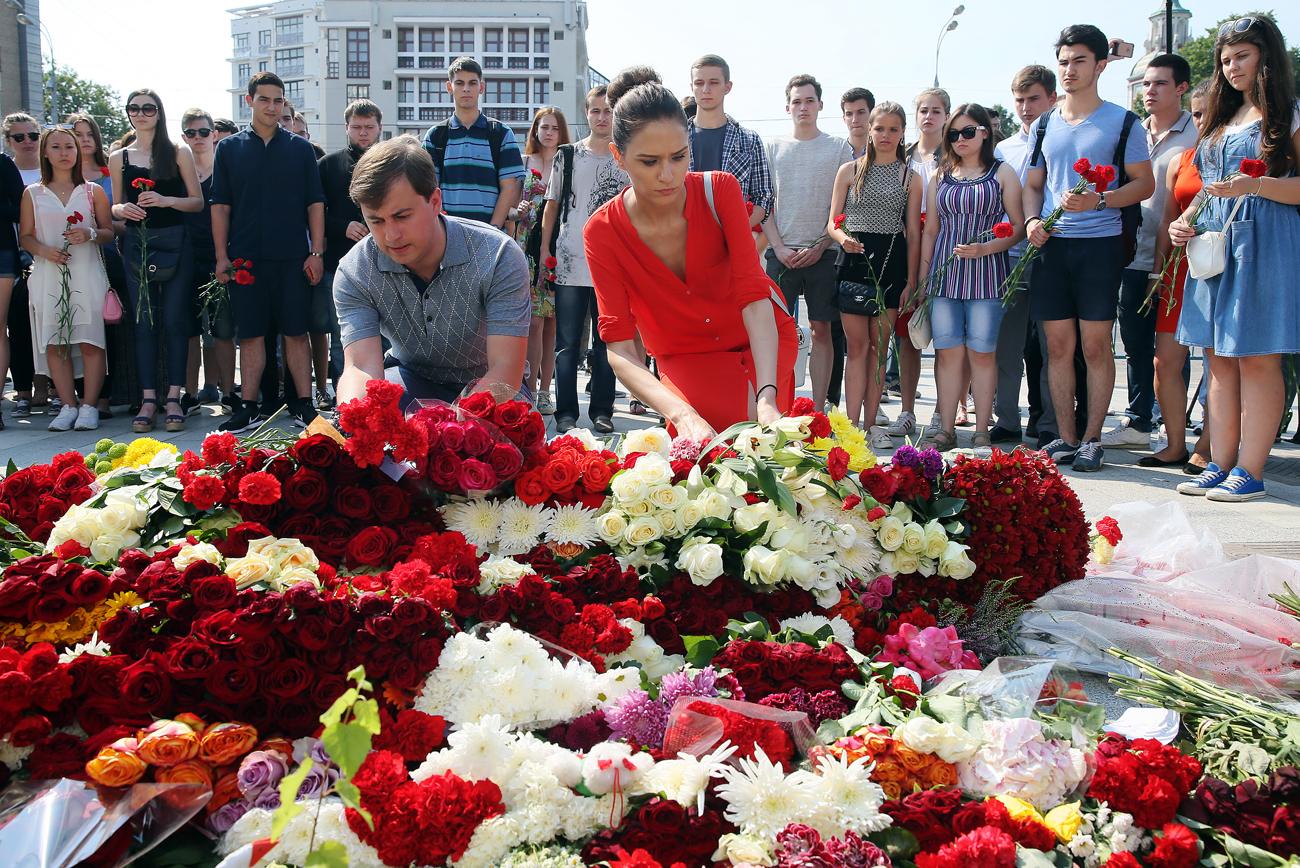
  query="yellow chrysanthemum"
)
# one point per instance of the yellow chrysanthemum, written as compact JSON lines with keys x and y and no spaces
{"x":850,"y":438}
{"x":141,"y":451}
{"x":124,"y":600}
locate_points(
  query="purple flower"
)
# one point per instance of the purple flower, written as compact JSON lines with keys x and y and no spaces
{"x":638,"y":718}
{"x":268,"y":800}
{"x":320,"y":777}
{"x":225,"y":816}
{"x":675,"y":685}
{"x":260,"y":771}
{"x":931,"y":463}
{"x":906,"y":456}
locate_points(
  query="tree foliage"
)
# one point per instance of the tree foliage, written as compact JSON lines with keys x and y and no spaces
{"x":103,"y":103}
{"x":1010,"y":124}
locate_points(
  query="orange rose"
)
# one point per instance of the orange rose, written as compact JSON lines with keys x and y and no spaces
{"x":115,"y":767}
{"x":893,"y":791}
{"x":941,"y":774}
{"x":878,"y":745}
{"x":566,"y":550}
{"x":280,"y":745}
{"x":188,"y":772}
{"x":224,"y":790}
{"x":167,"y":745}
{"x":193,"y":721}
{"x":223,"y":742}
{"x":888,"y":770}
{"x":911,"y":760}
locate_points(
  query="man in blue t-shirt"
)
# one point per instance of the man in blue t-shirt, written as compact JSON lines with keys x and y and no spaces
{"x":1074,"y":288}
{"x":477,"y":158}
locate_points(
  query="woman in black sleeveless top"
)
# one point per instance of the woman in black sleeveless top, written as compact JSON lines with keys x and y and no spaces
{"x":162,"y":298}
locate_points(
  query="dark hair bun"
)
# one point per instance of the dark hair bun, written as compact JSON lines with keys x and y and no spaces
{"x":632,"y":77}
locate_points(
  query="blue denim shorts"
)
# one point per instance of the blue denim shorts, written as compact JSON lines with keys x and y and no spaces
{"x":972,"y":322}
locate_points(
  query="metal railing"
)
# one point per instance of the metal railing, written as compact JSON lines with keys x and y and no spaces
{"x":288,"y":37}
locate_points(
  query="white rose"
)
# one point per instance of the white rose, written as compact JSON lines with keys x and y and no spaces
{"x":497,"y":571}
{"x":690,"y":515}
{"x":628,"y":486}
{"x":648,"y":440}
{"x":743,"y":850}
{"x":890,"y":533}
{"x":293,"y":575}
{"x":108,"y":546}
{"x":906,"y":562}
{"x":137,"y":514}
{"x":801,"y":571}
{"x":948,"y":742}
{"x":901,"y":511}
{"x":642,"y":530}
{"x":192,"y":554}
{"x":955,"y":563}
{"x":715,"y":504}
{"x":116,"y":518}
{"x":789,"y":535}
{"x":611,"y":526}
{"x":668,"y":521}
{"x":654,"y":470}
{"x":702,"y":560}
{"x":766,"y":566}
{"x":751,"y":516}
{"x":251,"y":569}
{"x":668,"y":496}
{"x":639,"y":507}
{"x":936,"y":539}
{"x":794,"y":427}
{"x":913,"y":538}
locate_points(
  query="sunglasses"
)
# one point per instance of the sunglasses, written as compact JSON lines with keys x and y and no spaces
{"x":31,"y":137}
{"x":69,"y":127}
{"x":967,"y":133}
{"x":1241,"y":25}
{"x":200,"y":131}
{"x":148,"y":110}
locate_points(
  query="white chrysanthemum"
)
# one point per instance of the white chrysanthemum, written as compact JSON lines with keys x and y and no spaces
{"x":253,"y":826}
{"x":483,"y":747}
{"x":491,"y":841}
{"x":761,"y":801}
{"x":852,"y":800}
{"x":478,"y":520}
{"x":522,"y":526}
{"x":573,"y":525}
{"x":808,"y":623}
{"x":684,"y":779}
{"x":12,"y":756}
{"x":94,"y":646}
{"x":550,"y":856}
{"x":863,"y":555}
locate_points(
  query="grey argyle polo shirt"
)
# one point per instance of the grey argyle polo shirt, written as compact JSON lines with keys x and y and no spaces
{"x":440,"y":333}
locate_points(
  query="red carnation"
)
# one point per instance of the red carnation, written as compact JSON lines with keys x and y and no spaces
{"x":1003,"y":230}
{"x":103,"y":170}
{"x":1254,"y":168}
{"x":205,"y":492}
{"x":1122,"y":860}
{"x":1109,"y":528}
{"x":238,"y":263}
{"x":142,"y":184}
{"x":243,"y":278}
{"x":259,"y":488}
{"x":1178,"y":848}
{"x":850,"y":502}
{"x":550,"y":262}
{"x":75,"y":218}
{"x":1083,"y":166}
{"x":839,"y":221}
{"x":837,"y":463}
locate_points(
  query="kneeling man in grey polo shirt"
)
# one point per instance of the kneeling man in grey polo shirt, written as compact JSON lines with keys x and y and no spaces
{"x":451,"y":295}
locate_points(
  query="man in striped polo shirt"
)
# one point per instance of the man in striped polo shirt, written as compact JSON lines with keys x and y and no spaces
{"x":477,"y":158}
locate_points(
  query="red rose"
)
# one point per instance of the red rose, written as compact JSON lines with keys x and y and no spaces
{"x":475,"y":475}
{"x":260,"y":488}
{"x":390,"y":503}
{"x":317,"y":451}
{"x":881,"y":485}
{"x":214,"y":592}
{"x":232,"y":682}
{"x":288,"y":678}
{"x":531,"y":489}
{"x":837,"y":463}
{"x":306,"y":489}
{"x":29,"y":730}
{"x":352,"y":501}
{"x":561,"y":472}
{"x":511,"y":415}
{"x":550,"y":263}
{"x":505,"y":459}
{"x":371,"y":546}
{"x":480,"y":404}
{"x":72,"y":479}
{"x":145,"y":683}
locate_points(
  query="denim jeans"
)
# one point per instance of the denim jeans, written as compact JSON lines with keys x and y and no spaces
{"x":1138,"y":332}
{"x":170,"y":312}
{"x":573,"y":305}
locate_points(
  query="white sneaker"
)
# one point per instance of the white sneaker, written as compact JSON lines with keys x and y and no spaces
{"x":87,"y":418}
{"x":1162,"y":439}
{"x":884,"y":397}
{"x":63,"y":422}
{"x":936,"y":421}
{"x":882,"y":418}
{"x":880,"y":440}
{"x":1123,"y":436}
{"x":903,"y":426}
{"x":828,"y":407}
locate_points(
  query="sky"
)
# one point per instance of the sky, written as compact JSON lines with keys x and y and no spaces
{"x":180,"y":49}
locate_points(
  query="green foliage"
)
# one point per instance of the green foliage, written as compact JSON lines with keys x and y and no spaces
{"x":330,"y":854}
{"x":289,"y":807}
{"x":103,"y":103}
{"x":1010,"y":125}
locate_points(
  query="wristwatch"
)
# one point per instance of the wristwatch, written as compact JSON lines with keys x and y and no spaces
{"x":1101,"y":202}
{"x":314,"y":253}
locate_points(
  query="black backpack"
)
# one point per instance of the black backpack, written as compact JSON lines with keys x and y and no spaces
{"x":435,"y":142}
{"x":1130,"y":215}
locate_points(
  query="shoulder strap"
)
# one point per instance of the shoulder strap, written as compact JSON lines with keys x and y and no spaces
{"x":1042,"y":131}
{"x":777,"y":298}
{"x":1121,"y":177}
{"x":566,"y":183}
{"x":437,"y":147}
{"x":496,"y":139}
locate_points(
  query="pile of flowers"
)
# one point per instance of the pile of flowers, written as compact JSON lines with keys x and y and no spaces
{"x":34,"y":498}
{"x":896,"y":767}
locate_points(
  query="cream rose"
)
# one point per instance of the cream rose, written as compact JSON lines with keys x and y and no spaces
{"x":108,"y":546}
{"x":913,"y":538}
{"x":702,"y":560}
{"x":890,"y":533}
{"x":906,"y":562}
{"x":628,"y":486}
{"x":751,"y":516}
{"x":715,"y":504}
{"x":639,"y":507}
{"x":611,"y":527}
{"x":192,"y":554}
{"x":134,"y":509}
{"x":668,"y":521}
{"x":648,"y":440}
{"x":789,"y":535}
{"x":936,"y":539}
{"x":293,"y":575}
{"x":116,"y":518}
{"x":766,"y":566}
{"x":689,"y":515}
{"x":668,"y":496}
{"x":901,"y":511}
{"x":497,"y":571}
{"x":955,"y":563}
{"x":654,"y":470}
{"x":250,"y":569}
{"x":948,"y":742}
{"x":742,"y":850}
{"x":643,"y":530}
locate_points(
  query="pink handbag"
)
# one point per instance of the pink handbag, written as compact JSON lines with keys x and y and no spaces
{"x":112,"y":312}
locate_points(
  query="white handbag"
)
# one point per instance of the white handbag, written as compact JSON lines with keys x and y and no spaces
{"x":1207,"y":253}
{"x":919,"y":330}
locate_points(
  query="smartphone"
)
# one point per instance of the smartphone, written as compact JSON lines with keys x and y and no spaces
{"x":1120,"y":48}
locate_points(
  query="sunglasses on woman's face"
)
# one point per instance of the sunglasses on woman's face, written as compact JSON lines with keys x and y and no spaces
{"x":31,"y":137}
{"x":967,"y":133}
{"x":198,"y":131}
{"x":148,"y":110}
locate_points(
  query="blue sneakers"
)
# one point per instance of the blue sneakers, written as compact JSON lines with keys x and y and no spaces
{"x":1239,"y":486}
{"x":1060,"y":451}
{"x":1089,"y":457}
{"x":1211,"y":477}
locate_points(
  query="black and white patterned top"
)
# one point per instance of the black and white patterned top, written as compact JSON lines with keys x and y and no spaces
{"x":880,"y":205}
{"x":440,"y":331}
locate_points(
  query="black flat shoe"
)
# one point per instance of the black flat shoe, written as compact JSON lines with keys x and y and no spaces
{"x":1152,"y":461}
{"x":998,"y":434}
{"x":1193,"y":469}
{"x":603,"y":424}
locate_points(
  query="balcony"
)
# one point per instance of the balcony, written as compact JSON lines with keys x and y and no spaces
{"x":263,"y":48}
{"x":289,"y":37}
{"x":242,"y":51}
{"x":541,"y":63}
{"x":406,"y":63}
{"x":433,"y":63}
{"x":518,"y":63}
{"x":508,"y":115}
{"x":289,"y":69}
{"x":358,"y":69}
{"x":492,"y":63}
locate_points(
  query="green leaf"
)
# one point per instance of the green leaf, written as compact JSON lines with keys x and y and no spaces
{"x":365,"y":714}
{"x":1027,"y":858}
{"x":11,"y":468}
{"x":347,"y":744}
{"x":727,"y":436}
{"x":358,"y":674}
{"x":700,"y":650}
{"x":350,"y":794}
{"x":330,"y":854}
{"x":947,"y":507}
{"x":897,"y":842}
{"x":713,"y":523}
{"x":776,"y":491}
{"x":830,"y":731}
{"x":172,"y":501}
{"x":787,"y":458}
{"x":1242,"y":853}
{"x":289,"y":807}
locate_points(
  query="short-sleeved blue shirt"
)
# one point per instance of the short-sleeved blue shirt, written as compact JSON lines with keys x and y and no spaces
{"x":470,"y":181}
{"x":1095,"y":137}
{"x":268,"y":186}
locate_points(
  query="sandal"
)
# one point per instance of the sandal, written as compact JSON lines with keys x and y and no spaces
{"x":941,"y":440}
{"x":982,"y":440}
{"x":962,"y":417}
{"x":175,"y":421}
{"x":636,"y":408}
{"x":144,"y":423}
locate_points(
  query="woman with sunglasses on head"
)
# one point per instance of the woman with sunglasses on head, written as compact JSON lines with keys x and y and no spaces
{"x":62,"y":217}
{"x":21,"y":134}
{"x":1247,"y":316}
{"x":163,"y":308}
{"x":548,"y":132}
{"x":879,"y":195}
{"x":967,"y":196}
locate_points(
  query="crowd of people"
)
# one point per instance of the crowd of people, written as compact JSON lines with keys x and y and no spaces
{"x":669,"y":250}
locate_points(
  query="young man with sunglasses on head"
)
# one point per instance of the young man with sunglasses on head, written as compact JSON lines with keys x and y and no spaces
{"x":1076,"y":278}
{"x":268,"y":207}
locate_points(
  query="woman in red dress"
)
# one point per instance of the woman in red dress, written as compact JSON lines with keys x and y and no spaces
{"x":663,"y":264}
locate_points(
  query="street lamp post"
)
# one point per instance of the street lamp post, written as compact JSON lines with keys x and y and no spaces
{"x":26,"y":20}
{"x":950,"y":26}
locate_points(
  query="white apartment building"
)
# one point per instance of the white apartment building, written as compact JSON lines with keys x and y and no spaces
{"x":396,"y":53}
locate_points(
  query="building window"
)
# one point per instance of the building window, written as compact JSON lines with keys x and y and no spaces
{"x":245,"y":111}
{"x":462,"y":40}
{"x":406,"y":39}
{"x":558,"y":86}
{"x":406,"y":90}
{"x":433,"y":90}
{"x":406,"y":112}
{"x":432,"y":40}
{"x":406,"y":63}
{"x":358,"y":91}
{"x":387,"y":85}
{"x":541,"y":41}
{"x":518,"y":63}
{"x":559,"y":36}
{"x":506,"y":90}
{"x":492,"y":39}
{"x":358,"y":53}
{"x":263,"y":65}
{"x":492,"y":63}
{"x":244,"y":73}
{"x":288,"y":31}
{"x":388,"y":34}
{"x":293,"y":91}
{"x":289,"y":61}
{"x":519,"y":40}
{"x":541,"y":92}
{"x":263,"y":42}
{"x":241,"y":42}
{"x":388,"y":134}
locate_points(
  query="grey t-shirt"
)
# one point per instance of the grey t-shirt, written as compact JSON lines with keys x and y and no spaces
{"x":596,"y":180}
{"x":706,"y":146}
{"x":440,"y":332}
{"x":803,"y":179}
{"x":1164,"y":150}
